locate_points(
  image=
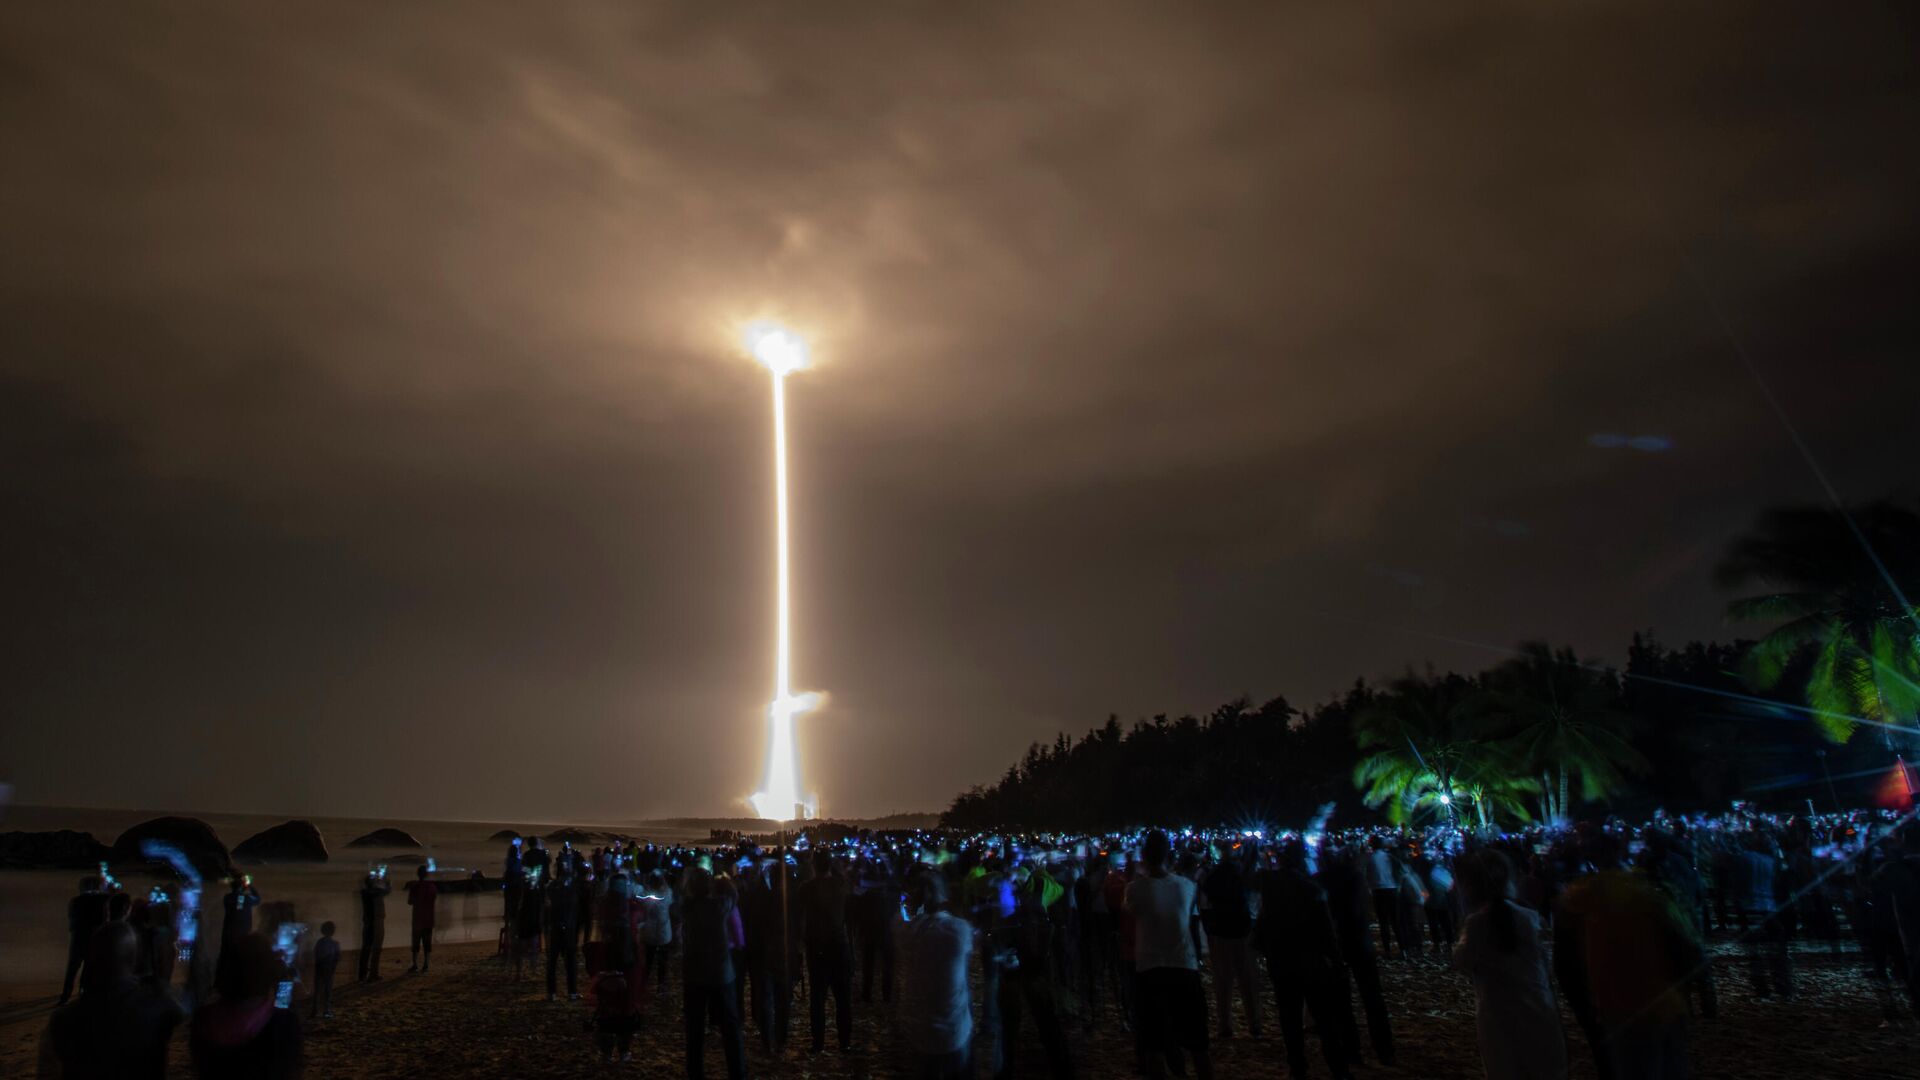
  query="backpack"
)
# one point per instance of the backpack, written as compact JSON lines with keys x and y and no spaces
{"x":622,"y":952}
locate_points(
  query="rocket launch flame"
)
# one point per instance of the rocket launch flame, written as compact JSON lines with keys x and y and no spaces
{"x":783,"y":353}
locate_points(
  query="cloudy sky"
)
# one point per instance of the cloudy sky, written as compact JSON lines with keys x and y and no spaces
{"x":375,"y":436}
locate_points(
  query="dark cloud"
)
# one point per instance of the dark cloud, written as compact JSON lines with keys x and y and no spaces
{"x":376,"y":435}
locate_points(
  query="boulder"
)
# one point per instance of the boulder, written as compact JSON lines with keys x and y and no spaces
{"x":194,"y":838}
{"x":572,"y":836}
{"x":62,"y":849}
{"x":384,"y":838}
{"x":289,"y":841}
{"x":505,"y":834}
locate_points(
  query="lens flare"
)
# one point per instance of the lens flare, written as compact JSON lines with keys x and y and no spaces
{"x":783,"y":353}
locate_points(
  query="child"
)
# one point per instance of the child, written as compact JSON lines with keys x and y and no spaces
{"x":326,"y":954}
{"x":614,"y":1017}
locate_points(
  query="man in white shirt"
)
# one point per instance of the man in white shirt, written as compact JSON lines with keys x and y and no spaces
{"x":1172,"y":1008}
{"x":1385,"y":886}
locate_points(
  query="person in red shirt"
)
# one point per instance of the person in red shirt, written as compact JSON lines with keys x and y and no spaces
{"x":421,"y":895}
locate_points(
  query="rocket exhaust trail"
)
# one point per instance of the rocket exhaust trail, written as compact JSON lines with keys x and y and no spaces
{"x":782,"y":353}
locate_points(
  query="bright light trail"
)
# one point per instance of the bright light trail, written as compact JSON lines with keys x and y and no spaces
{"x":186,"y":915}
{"x":783,"y":353}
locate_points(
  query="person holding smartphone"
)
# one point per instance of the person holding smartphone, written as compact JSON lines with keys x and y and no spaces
{"x":241,"y":1033}
{"x":237,"y":912}
{"x":373,"y":922}
{"x":422,"y":894}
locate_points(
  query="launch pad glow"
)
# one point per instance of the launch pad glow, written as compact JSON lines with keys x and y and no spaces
{"x":783,"y":353}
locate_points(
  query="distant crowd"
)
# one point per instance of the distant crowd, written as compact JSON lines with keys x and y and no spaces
{"x":970,"y":941}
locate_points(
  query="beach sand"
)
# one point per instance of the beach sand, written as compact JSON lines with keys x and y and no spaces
{"x":468,"y":1018}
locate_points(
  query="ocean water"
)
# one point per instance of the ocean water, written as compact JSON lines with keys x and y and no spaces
{"x":33,"y":903}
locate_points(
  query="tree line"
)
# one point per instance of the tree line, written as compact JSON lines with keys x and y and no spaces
{"x":1545,"y":735}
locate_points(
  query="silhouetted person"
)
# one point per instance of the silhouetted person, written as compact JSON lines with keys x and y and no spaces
{"x":1410,"y":909}
{"x":198,"y":988}
{"x":1625,"y":953}
{"x":1172,"y":1007}
{"x":373,"y":923}
{"x":584,"y":886}
{"x":936,"y":1015}
{"x":529,"y":920}
{"x":823,"y":912}
{"x":876,"y":907}
{"x":620,"y":948}
{"x":1296,"y":935}
{"x":1757,"y":871}
{"x":326,"y":957}
{"x":513,"y":878}
{"x":1229,"y":924}
{"x":421,"y":896}
{"x":615,"y":1018}
{"x":1095,"y":927}
{"x":563,"y":942}
{"x":241,"y":1035}
{"x":764,"y":912}
{"x":707,"y":974}
{"x":1113,"y":891}
{"x":1895,"y":892}
{"x":237,"y":910}
{"x":1441,"y":926}
{"x":1384,"y":885}
{"x":1022,"y":947}
{"x":656,"y":925}
{"x":119,"y":1029}
{"x":1501,"y":951}
{"x":1348,"y":899}
{"x":536,"y":870}
{"x":86,"y":913}
{"x":158,"y":949}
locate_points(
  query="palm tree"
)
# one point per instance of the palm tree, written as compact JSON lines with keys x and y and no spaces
{"x":1840,"y":592}
{"x":1429,"y":754}
{"x":1563,"y":725}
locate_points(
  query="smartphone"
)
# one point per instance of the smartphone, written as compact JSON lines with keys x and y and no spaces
{"x":283,"y":994}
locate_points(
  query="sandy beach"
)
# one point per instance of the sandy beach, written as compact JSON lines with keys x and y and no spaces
{"x":468,"y":1018}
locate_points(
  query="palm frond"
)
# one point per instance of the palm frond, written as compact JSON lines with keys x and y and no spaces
{"x":1831,"y":701}
{"x":1771,"y":607}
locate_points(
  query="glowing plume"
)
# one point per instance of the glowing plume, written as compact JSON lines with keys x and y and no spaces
{"x":783,"y":353}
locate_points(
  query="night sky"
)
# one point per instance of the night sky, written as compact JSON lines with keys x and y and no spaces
{"x":375,"y":436}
